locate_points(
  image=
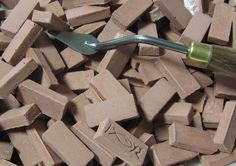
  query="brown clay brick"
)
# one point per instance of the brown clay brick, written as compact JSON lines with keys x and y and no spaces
{"x":107,"y":86}
{"x":16,"y":75}
{"x":19,"y":117}
{"x":128,"y":13}
{"x":221,"y":24}
{"x":66,"y":145}
{"x":225,"y":133}
{"x":18,"y":16}
{"x":86,"y":14}
{"x":176,"y":12}
{"x":24,"y":38}
{"x":190,"y":138}
{"x":49,"y":21}
{"x":86,"y":134}
{"x":120,"y":142}
{"x":50,"y":103}
{"x":151,"y":104}
{"x":112,"y":109}
{"x":164,"y":154}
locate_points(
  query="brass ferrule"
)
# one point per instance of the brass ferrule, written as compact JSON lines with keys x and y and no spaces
{"x":199,"y":54}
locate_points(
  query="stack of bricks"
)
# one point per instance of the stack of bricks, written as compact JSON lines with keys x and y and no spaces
{"x":134,"y":105}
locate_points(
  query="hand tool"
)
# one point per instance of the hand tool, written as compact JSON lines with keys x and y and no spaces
{"x":215,"y":58}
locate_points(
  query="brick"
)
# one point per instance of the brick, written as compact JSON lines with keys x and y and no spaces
{"x":4,"y":41}
{"x":154,"y":14}
{"x":211,"y":120}
{"x":24,"y":38}
{"x":178,"y":75}
{"x":149,"y":72}
{"x":72,"y":58}
{"x":128,"y":13}
{"x":151,"y":104}
{"x":213,"y":109}
{"x":134,"y":77}
{"x":136,"y":60}
{"x":86,"y":14}
{"x":234,"y":31}
{"x":225,"y":135}
{"x":109,"y":31}
{"x":64,"y":91}
{"x":6,"y":163}
{"x":180,"y":112}
{"x":203,"y":79}
{"x":50,"y":123}
{"x":197,"y":120}
{"x":6,"y":150}
{"x":56,"y":8}
{"x":34,"y":133}
{"x":92,"y":28}
{"x":120,"y":142}
{"x":198,"y":101}
{"x":107,"y":86}
{"x":86,"y":134}
{"x":92,"y":96}
{"x":148,"y":139}
{"x":16,"y":75}
{"x":57,"y":160}
{"x":225,"y":87}
{"x":4,"y":69}
{"x":49,"y":102}
{"x":77,"y":107}
{"x":211,"y":8}
{"x":71,"y":150}
{"x":18,"y":16}
{"x":78,"y":80}
{"x":190,"y":138}
{"x":50,"y":52}
{"x":220,"y":29}
{"x":19,"y":117}
{"x":49,"y":21}
{"x":193,"y":31}
{"x":68,"y":4}
{"x":119,"y":56}
{"x":49,"y":78}
{"x":139,"y":92}
{"x":218,"y":159}
{"x":164,"y":154}
{"x":150,"y":29}
{"x":26,"y":151}
{"x":125,"y":83}
{"x":176,"y":12}
{"x":112,"y":109}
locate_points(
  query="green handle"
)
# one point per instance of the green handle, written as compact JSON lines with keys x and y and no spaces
{"x":215,"y":58}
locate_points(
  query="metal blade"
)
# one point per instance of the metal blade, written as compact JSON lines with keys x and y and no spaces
{"x":76,"y":41}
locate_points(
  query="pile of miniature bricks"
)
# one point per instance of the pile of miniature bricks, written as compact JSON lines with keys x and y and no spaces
{"x":134,"y":105}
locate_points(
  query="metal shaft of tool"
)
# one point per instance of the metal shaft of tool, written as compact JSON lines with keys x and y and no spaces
{"x":110,"y":44}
